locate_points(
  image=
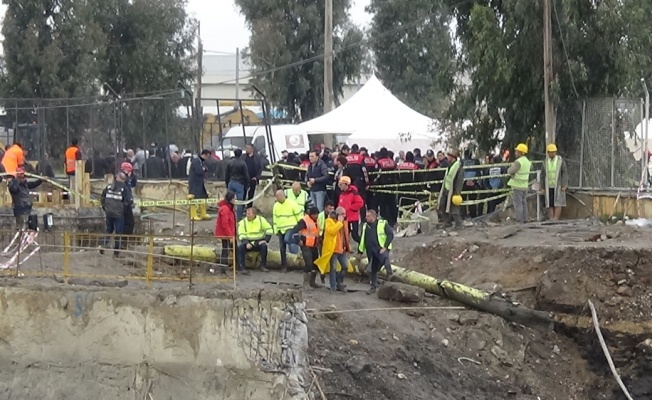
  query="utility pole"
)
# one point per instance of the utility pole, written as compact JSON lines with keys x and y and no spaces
{"x":200,"y":72}
{"x":548,"y":75}
{"x":237,"y":73}
{"x":328,"y":64}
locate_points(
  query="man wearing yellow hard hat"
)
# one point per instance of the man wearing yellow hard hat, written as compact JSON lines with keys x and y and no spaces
{"x":554,"y":178}
{"x":450,"y":195}
{"x":520,"y":182}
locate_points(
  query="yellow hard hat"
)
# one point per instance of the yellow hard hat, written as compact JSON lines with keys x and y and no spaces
{"x":522,"y":147}
{"x":552,"y":148}
{"x":456,"y":200}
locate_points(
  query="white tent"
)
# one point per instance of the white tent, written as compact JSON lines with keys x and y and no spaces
{"x":374,"y":118}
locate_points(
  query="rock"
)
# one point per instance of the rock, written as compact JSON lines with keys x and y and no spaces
{"x":646,"y":344}
{"x":502,"y":356}
{"x":538,"y":259}
{"x":358,"y":365}
{"x":625,"y":291}
{"x":445,"y":342}
{"x":415,"y":313}
{"x":63,"y":302}
{"x":401,"y":376}
{"x":469,"y":318}
{"x":332,"y":316}
{"x":400,"y":292}
{"x":556,"y":350}
{"x":473,"y":248}
{"x":453,"y":234}
{"x":555,"y":293}
{"x":475,"y":342}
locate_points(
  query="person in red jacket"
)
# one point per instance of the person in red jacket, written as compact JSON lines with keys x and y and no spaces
{"x":225,"y":227}
{"x":352,"y":202}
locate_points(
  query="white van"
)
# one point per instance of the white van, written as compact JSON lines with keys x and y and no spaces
{"x":292,"y":138}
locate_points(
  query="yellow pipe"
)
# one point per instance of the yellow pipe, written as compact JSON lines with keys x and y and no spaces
{"x":466,"y":295}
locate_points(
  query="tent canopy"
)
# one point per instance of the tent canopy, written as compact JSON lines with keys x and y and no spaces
{"x":374,"y":118}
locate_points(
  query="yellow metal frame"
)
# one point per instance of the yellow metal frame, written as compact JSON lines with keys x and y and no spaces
{"x":70,"y":247}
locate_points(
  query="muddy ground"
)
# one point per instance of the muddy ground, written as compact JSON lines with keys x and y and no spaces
{"x":463,"y":354}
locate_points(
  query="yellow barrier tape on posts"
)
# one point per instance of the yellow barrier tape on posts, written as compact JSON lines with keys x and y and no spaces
{"x":144,"y":203}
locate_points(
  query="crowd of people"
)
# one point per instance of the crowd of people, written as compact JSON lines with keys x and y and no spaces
{"x":328,"y":211}
{"x":335,"y":202}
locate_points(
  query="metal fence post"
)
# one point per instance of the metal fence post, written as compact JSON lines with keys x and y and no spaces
{"x":66,"y":256}
{"x":235,"y":261}
{"x":537,"y":194}
{"x":192,"y":250}
{"x":582,"y":143}
{"x":613,"y":142}
{"x":150,"y":260}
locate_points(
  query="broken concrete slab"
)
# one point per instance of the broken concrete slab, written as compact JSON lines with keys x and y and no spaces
{"x":400,"y":292}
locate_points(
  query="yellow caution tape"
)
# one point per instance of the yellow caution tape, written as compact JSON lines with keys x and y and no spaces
{"x":143,"y":203}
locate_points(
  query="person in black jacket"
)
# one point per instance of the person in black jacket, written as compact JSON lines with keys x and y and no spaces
{"x":237,"y":178}
{"x":19,"y":188}
{"x":154,"y":166}
{"x":196,"y":187}
{"x":255,"y":170}
{"x":317,"y":178}
{"x":115,"y":199}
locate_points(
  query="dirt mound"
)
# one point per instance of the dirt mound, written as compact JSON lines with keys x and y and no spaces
{"x":458,"y":354}
{"x":562,"y":280}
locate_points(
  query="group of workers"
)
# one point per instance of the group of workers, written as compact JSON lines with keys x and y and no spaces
{"x":324,"y":238}
{"x":464,"y":182}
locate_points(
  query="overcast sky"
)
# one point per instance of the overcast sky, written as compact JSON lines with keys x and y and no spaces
{"x":223,"y":28}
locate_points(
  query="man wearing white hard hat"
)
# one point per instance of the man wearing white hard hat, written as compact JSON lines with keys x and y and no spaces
{"x":554,"y":180}
{"x":520,"y":182}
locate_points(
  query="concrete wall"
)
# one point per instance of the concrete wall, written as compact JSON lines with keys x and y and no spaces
{"x":80,"y":344}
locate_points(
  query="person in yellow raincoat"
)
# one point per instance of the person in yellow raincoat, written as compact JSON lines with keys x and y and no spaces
{"x":335,"y":248}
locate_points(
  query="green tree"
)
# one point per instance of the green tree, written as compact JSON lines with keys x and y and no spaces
{"x":61,"y":52}
{"x":599,"y":49}
{"x":285,"y":32}
{"x":49,"y":52}
{"x":414,"y":53}
{"x":149,"y":47}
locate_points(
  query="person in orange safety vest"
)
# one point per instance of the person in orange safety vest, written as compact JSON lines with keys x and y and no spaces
{"x":13,"y":159}
{"x":73,"y":154}
{"x":306,"y":233}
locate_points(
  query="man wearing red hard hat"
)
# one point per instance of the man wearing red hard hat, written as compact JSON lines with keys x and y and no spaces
{"x":19,"y":188}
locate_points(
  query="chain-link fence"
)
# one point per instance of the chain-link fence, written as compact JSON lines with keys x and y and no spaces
{"x":598,"y":138}
{"x":105,"y":127}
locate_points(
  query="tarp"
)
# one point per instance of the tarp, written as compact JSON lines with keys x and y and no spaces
{"x":374,"y":118}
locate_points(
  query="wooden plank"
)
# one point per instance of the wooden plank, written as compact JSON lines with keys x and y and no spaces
{"x":56,"y":198}
{"x":78,"y":183}
{"x":86,"y":190}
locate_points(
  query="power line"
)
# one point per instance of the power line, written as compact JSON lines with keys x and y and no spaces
{"x":563,"y":45}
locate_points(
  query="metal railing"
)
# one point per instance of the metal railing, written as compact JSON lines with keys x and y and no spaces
{"x":65,"y":256}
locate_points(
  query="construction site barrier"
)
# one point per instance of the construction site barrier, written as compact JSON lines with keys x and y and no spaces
{"x":139,"y":203}
{"x":427,"y":195}
{"x":66,"y":256}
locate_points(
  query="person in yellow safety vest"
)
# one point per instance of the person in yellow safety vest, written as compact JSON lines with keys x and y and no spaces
{"x":286,"y":213}
{"x":520,"y":182}
{"x":453,"y":184}
{"x":299,"y":196}
{"x":254,"y":233}
{"x":73,"y":154}
{"x":306,"y":233}
{"x":554,"y":175}
{"x":376,"y":241}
